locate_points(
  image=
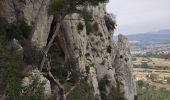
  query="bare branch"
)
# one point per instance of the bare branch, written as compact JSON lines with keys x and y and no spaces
{"x":48,"y":46}
{"x":56,"y":81}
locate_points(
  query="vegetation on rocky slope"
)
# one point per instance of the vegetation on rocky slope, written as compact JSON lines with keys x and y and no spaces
{"x":64,"y":74}
{"x":18,"y":30}
{"x":10,"y":79}
{"x":149,"y":92}
{"x":60,"y":5}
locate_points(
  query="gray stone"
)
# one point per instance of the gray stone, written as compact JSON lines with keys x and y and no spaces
{"x":123,"y":69}
{"x":35,"y":75}
{"x":32,"y":12}
{"x":92,"y":47}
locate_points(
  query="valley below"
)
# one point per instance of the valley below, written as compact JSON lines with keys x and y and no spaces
{"x":154,"y":71}
{"x":152,"y":77}
{"x":151,"y":65}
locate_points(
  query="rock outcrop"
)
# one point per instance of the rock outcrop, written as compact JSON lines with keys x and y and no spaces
{"x":108,"y":66}
{"x":123,"y":69}
{"x":93,"y":47}
{"x":36,"y":79}
{"x":33,"y":12}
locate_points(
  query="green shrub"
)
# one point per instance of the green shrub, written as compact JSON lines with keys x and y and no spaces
{"x":153,"y":77}
{"x":140,"y":83}
{"x":10,"y":79}
{"x":110,"y":24}
{"x":70,"y":5}
{"x":3,"y":26}
{"x":87,"y":69}
{"x":96,"y":26}
{"x":9,"y":69}
{"x":168,"y":80}
{"x":13,"y":31}
{"x":25,"y":29}
{"x":34,"y":91}
{"x":134,"y":59}
{"x":55,"y":5}
{"x":61,"y":70}
{"x":57,"y":68}
{"x":80,"y":26}
{"x":19,"y":30}
{"x":32,"y":55}
{"x":103,"y":83}
{"x":150,"y":92}
{"x":83,"y":91}
{"x":11,"y":76}
{"x":144,"y":65}
{"x":109,"y":49}
{"x":149,"y":54}
{"x":87,"y":15}
{"x":113,"y":94}
{"x":71,"y":66}
{"x":87,"y":54}
{"x":89,"y":28}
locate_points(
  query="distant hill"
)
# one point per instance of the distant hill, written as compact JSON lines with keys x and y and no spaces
{"x":163,"y":35}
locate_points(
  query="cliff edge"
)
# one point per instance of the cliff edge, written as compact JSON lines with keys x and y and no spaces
{"x":82,"y":54}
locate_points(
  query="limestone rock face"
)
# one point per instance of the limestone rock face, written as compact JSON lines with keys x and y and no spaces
{"x":123,"y":69}
{"x":85,"y":36}
{"x":95,"y":50}
{"x":33,"y":12}
{"x":41,"y":82}
{"x":92,"y":45}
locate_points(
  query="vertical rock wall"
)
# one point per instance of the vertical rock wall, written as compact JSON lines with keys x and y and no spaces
{"x":107,"y":65}
{"x":33,"y":12}
{"x":95,"y":50}
{"x":123,"y":69}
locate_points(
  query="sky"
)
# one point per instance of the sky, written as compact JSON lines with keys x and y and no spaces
{"x":140,"y":16}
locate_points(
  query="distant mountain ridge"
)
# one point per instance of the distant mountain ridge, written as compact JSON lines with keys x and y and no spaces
{"x":162,"y":35}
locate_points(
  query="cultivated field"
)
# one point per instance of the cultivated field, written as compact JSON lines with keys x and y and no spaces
{"x":152,"y":61}
{"x":155,"y":71}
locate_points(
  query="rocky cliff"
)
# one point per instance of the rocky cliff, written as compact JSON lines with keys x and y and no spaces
{"x":83,"y":38}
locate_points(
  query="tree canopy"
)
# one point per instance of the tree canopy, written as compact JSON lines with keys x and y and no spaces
{"x":60,"y":5}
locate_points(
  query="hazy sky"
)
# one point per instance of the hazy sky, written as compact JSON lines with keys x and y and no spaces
{"x":138,"y":16}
